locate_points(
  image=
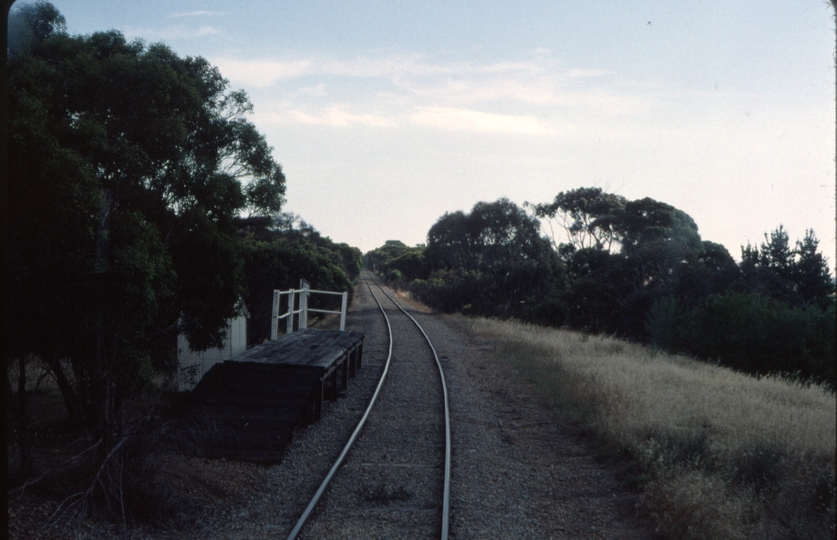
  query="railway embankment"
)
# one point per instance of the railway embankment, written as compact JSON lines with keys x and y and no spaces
{"x":519,"y":470}
{"x":554,"y":435}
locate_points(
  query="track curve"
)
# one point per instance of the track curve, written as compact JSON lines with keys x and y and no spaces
{"x":387,"y":456}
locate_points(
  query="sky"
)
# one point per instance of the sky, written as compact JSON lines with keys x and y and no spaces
{"x":387,"y":115}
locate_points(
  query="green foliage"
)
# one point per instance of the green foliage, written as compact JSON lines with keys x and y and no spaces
{"x":492,"y":261}
{"x":586,"y":214}
{"x":811,"y":276}
{"x":661,"y":255}
{"x":411,"y":265}
{"x":277,"y":258}
{"x":665,"y":285}
{"x":750,"y":332}
{"x":399,"y":264}
{"x":710,"y":270}
{"x":128,"y":166}
{"x":797,"y":277}
{"x":647,"y":223}
{"x":600,"y":287}
{"x":129,"y":169}
{"x":664,"y":323}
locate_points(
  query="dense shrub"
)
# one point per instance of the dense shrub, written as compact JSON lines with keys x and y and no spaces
{"x":749,"y":332}
{"x":280,"y":264}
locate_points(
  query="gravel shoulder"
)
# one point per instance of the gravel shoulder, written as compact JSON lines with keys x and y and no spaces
{"x":519,"y":469}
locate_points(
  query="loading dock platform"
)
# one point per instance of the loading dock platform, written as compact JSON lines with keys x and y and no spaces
{"x":247,"y":407}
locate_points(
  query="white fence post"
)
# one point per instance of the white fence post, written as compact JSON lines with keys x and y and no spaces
{"x":274,"y":319}
{"x":289,"y":325}
{"x":303,"y":303}
{"x":304,"y":293}
{"x":343,"y":311}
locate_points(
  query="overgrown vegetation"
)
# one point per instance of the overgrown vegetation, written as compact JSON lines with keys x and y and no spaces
{"x":635,"y":269}
{"x":131,"y":171}
{"x":276,"y":257}
{"x":718,"y":454}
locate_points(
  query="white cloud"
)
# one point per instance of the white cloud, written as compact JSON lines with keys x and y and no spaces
{"x":408,"y":81}
{"x":394,"y":67}
{"x":318,"y":90}
{"x":333,"y":116}
{"x":169,"y":32}
{"x":588,"y":73}
{"x":453,"y":119}
{"x":398,"y":67}
{"x":201,"y":13}
{"x":261,"y":73}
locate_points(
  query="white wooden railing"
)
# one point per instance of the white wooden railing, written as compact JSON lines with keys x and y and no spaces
{"x":302,"y":294}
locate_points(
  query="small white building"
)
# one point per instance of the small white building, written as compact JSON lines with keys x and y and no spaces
{"x":191,"y":365}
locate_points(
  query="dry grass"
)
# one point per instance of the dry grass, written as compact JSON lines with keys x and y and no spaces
{"x":406,"y":299}
{"x":718,"y":454}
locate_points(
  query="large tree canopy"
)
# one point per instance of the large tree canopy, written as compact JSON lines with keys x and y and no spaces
{"x":585,"y":214}
{"x":128,"y":167}
{"x":495,"y":259}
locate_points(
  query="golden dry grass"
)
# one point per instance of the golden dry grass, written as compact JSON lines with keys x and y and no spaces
{"x":718,"y":454}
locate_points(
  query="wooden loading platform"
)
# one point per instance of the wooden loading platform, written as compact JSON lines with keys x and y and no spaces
{"x":247,"y":407}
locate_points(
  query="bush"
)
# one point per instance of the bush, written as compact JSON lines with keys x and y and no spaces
{"x":752,"y":333}
{"x":280,"y":264}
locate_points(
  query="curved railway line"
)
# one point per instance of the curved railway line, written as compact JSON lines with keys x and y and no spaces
{"x":401,"y":447}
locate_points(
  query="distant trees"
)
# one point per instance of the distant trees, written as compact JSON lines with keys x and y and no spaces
{"x":400,"y":263}
{"x":491,"y":261}
{"x":755,"y":333}
{"x":637,"y":269}
{"x":660,"y":254}
{"x":797,"y":276}
{"x":778,"y":315}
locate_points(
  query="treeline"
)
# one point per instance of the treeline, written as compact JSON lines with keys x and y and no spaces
{"x":634,"y":269}
{"x":130,"y":169}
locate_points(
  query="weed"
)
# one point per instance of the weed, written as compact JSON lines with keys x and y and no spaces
{"x":382,"y":494}
{"x":759,"y":468}
{"x":669,"y":451}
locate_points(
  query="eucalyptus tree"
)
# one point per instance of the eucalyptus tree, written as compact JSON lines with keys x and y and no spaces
{"x":586,"y":215}
{"x":128,"y":167}
{"x":493,"y":261}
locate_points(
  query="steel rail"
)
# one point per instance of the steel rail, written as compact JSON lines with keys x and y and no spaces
{"x":446,"y":492}
{"x":310,"y":508}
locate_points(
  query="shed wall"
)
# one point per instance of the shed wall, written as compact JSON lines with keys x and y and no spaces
{"x":192,"y":366}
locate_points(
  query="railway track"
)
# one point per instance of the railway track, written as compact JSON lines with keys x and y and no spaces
{"x":392,"y":478}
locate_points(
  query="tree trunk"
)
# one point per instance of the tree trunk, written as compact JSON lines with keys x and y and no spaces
{"x":71,"y":399}
{"x":18,"y":404}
